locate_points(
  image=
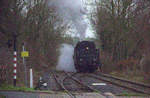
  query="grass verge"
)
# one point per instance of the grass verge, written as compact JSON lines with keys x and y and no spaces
{"x":131,"y":76}
{"x":132,"y":94}
{"x":2,"y":96}
{"x":10,"y":87}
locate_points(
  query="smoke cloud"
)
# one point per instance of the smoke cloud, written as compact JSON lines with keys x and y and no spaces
{"x":65,"y":62}
{"x":71,"y":11}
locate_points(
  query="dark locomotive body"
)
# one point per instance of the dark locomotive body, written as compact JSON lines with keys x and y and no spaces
{"x":86,"y":57}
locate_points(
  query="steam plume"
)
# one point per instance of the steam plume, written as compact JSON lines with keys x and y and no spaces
{"x":71,"y":11}
{"x":66,"y":62}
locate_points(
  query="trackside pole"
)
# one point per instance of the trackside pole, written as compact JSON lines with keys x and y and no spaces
{"x":15,"y":61}
{"x":31,"y":78}
{"x":25,"y":67}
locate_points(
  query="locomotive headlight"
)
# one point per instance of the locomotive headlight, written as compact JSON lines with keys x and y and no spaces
{"x":94,"y":59}
{"x":81,"y":59}
{"x":87,"y":48}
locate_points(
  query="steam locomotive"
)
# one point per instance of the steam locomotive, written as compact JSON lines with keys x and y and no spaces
{"x":86,"y":57}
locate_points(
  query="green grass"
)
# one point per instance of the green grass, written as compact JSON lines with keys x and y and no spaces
{"x":2,"y":96}
{"x":131,"y":94}
{"x":10,"y":87}
{"x":131,"y":76}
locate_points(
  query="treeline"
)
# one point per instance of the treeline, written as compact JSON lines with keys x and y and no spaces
{"x":37,"y":25}
{"x":123,"y":27}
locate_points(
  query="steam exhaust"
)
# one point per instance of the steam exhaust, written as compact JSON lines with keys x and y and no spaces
{"x":65,"y":61}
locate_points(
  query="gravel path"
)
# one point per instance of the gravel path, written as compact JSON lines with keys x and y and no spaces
{"x":57,"y":95}
{"x":46,"y":95}
{"x":19,"y":94}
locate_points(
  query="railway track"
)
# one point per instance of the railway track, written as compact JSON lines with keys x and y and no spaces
{"x":134,"y":86}
{"x":62,"y":85}
{"x":60,"y":82}
{"x":73,"y":85}
{"x":70,"y":82}
{"x":89,"y":88}
{"x":84,"y":84}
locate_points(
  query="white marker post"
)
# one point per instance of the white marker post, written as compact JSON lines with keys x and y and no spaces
{"x":31,"y":78}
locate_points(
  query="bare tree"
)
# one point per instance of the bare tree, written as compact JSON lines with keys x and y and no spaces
{"x":123,"y":28}
{"x":38,"y":26}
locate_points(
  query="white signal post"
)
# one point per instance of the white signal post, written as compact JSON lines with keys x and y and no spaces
{"x":31,"y":78}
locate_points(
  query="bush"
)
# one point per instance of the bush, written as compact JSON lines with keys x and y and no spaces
{"x":107,"y":63}
{"x":127,"y":65}
{"x":146,"y":70}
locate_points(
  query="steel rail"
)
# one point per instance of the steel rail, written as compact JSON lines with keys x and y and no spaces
{"x":78,"y":81}
{"x":61,"y":84}
{"x":85,"y":85}
{"x":103,"y":78}
{"x":124,"y":80}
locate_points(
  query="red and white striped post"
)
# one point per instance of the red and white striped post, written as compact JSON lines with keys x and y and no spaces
{"x":15,"y":67}
{"x":15,"y":61}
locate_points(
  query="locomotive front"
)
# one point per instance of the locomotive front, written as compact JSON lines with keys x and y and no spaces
{"x":86,"y":57}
